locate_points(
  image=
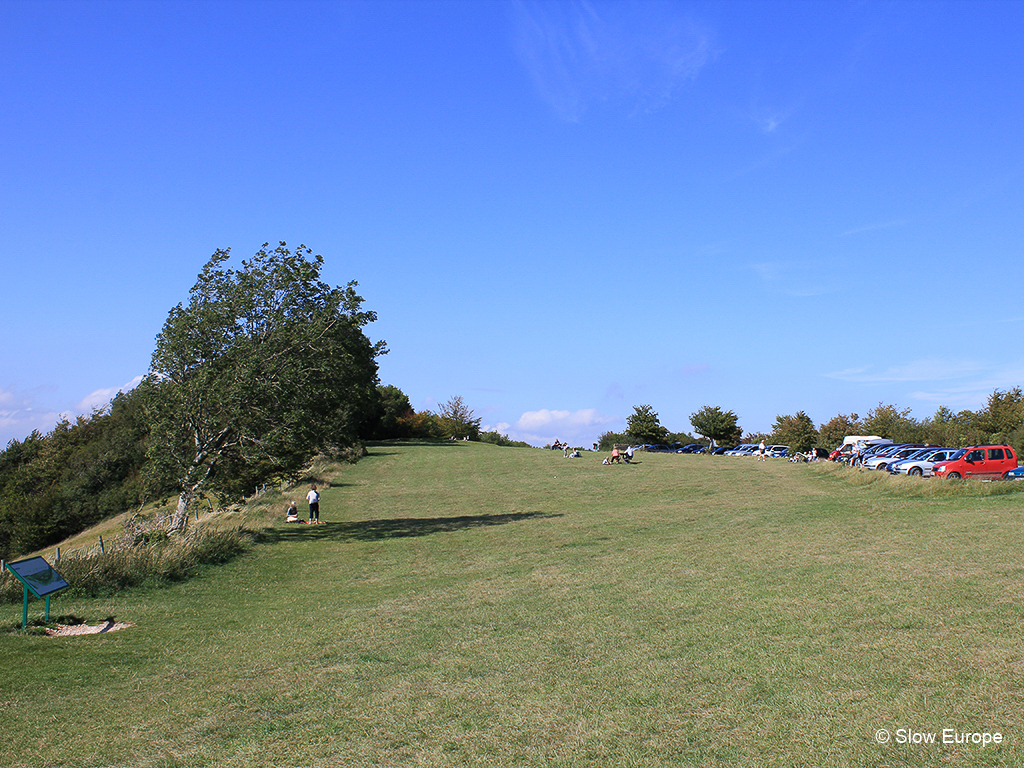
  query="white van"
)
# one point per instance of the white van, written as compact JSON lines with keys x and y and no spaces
{"x":852,"y":443}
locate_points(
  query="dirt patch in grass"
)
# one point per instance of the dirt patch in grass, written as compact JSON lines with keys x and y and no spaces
{"x":71,"y":630}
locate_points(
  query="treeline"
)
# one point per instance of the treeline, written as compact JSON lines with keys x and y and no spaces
{"x":265,"y":367}
{"x":55,"y":485}
{"x":1000,"y":422}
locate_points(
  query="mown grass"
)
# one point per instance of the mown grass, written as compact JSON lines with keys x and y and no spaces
{"x":473,"y":605}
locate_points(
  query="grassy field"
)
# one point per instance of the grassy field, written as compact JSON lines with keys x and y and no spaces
{"x":472,"y":605}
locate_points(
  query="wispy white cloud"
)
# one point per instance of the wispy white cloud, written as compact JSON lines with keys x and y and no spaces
{"x":954,"y":383}
{"x":20,"y":416}
{"x":874,"y":227}
{"x":100,"y":398}
{"x":974,"y":392}
{"x":933,"y":369}
{"x":23,"y":412}
{"x":769,"y":120}
{"x":631,"y":56}
{"x":791,"y":278}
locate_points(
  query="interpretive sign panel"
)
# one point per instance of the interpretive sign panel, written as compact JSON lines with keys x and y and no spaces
{"x":36,"y":574}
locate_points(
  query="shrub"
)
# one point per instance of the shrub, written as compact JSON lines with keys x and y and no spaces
{"x":496,"y":438}
{"x":142,"y":555}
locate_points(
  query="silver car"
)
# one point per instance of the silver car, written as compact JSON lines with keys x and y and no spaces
{"x":922,"y":466}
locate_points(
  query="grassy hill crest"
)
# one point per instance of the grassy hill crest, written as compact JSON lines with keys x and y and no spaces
{"x":468,"y":604}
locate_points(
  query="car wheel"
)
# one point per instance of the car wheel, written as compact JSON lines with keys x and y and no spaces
{"x":915,"y":471}
{"x":953,"y":475}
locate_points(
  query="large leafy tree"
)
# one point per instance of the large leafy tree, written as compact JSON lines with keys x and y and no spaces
{"x":263,"y":368}
{"x":715,"y":424}
{"x":1004,"y":414}
{"x":387,"y":416}
{"x":832,"y":432}
{"x":796,"y":431}
{"x":642,"y":426}
{"x":892,"y":422}
{"x":458,"y":420}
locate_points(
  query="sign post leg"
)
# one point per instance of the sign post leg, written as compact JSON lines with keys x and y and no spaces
{"x":24,"y":610}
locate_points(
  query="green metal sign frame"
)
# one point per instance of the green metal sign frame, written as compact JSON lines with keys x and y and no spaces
{"x":38,"y":577}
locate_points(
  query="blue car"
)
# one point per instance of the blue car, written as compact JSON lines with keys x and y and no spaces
{"x":1015,"y":474}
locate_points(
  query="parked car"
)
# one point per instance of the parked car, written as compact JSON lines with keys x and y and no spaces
{"x":657,"y":449}
{"x":1015,"y":474}
{"x":748,"y":449}
{"x":984,"y":461}
{"x":906,"y":452}
{"x":876,"y":452}
{"x":776,"y":451}
{"x":744,"y":449}
{"x":922,"y":465}
{"x":691,"y":448}
{"x":699,"y":449}
{"x":722,"y":450}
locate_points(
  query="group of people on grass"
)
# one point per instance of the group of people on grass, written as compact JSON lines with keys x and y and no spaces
{"x":313,"y":497}
{"x":618,"y":457}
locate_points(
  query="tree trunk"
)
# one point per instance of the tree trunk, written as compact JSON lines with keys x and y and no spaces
{"x":180,"y":519}
{"x":197,"y":477}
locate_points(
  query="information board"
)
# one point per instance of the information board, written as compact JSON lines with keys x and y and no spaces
{"x":36,"y":574}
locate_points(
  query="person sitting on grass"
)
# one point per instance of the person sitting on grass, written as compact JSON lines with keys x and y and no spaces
{"x":292,"y":513}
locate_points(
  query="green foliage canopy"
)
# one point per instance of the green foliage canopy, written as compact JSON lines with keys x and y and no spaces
{"x":832,"y":432}
{"x":266,"y":366}
{"x":458,"y":421}
{"x":642,"y":426}
{"x":796,"y":431}
{"x":715,"y":424}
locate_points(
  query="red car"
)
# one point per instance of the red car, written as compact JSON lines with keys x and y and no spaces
{"x":986,"y":461}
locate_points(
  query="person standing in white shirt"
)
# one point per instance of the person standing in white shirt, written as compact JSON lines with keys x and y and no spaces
{"x":314,"y":505}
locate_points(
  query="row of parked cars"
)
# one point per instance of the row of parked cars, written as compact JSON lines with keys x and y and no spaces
{"x":913,"y":459}
{"x":750,"y":449}
{"x":991,"y":462}
{"x":747,"y":449}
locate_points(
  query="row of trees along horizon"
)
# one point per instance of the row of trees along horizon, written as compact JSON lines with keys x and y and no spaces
{"x":267,"y":366}
{"x":1001,"y":421}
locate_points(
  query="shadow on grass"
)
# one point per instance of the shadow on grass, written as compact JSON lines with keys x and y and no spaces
{"x":409,"y":443}
{"x":379,"y":530}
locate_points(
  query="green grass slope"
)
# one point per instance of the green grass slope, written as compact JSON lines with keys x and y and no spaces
{"x":472,"y":605}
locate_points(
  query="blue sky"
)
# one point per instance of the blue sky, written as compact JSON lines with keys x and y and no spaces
{"x":559,"y":211}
